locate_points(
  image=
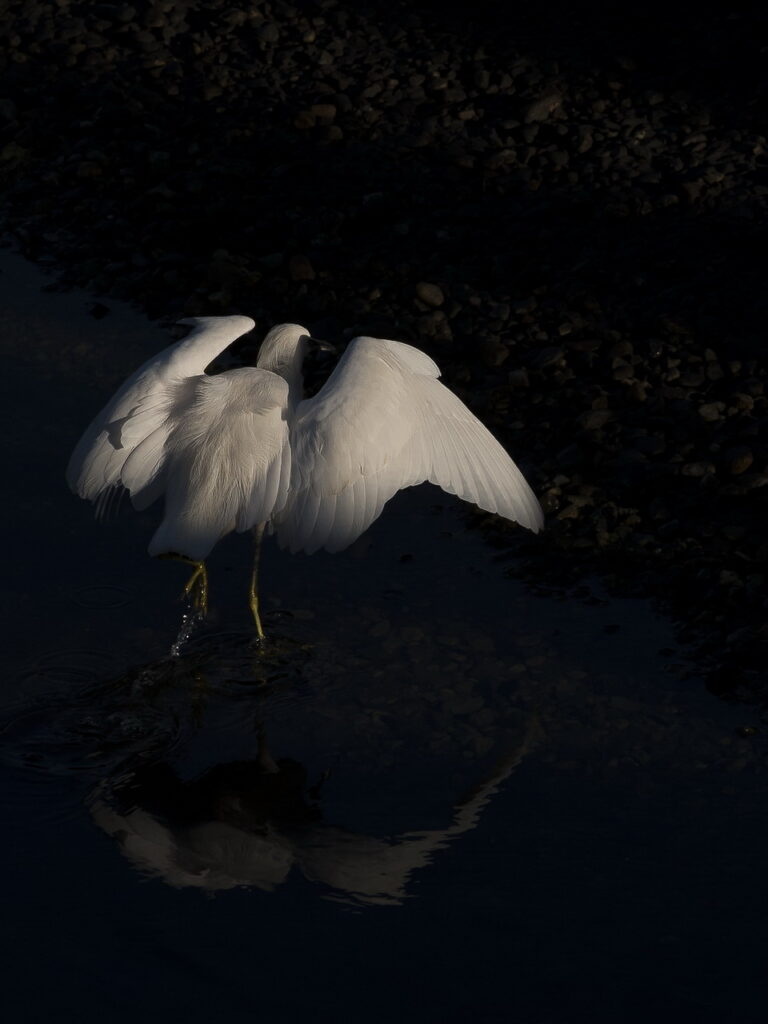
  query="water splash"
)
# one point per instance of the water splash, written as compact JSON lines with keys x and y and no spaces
{"x":190,"y":623}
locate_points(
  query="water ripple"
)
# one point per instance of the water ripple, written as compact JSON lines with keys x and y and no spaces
{"x":103,"y":595}
{"x":76,"y":666}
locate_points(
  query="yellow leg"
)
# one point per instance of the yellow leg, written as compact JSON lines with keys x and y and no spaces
{"x":258,"y":533}
{"x":197,"y":585}
{"x":197,"y":588}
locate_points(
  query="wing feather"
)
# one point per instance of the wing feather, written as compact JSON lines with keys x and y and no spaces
{"x":360,"y":504}
{"x":142,"y":472}
{"x":323,"y":525}
{"x":383,"y":421}
{"x":140,"y":408}
{"x":342,"y":531}
{"x":227,"y":461}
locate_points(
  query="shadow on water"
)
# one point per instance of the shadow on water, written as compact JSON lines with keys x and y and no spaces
{"x":395,"y":731}
{"x":529,"y":779}
{"x":249,"y":822}
{"x":351,"y":755}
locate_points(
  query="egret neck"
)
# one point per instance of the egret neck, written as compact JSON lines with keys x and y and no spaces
{"x":282,"y":352}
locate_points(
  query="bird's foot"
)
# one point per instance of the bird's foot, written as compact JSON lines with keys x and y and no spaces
{"x":254,"y":604}
{"x":196,"y":589}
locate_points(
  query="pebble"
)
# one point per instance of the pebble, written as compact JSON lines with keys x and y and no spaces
{"x":547,"y":356}
{"x":697,"y":469}
{"x":300,"y":268}
{"x":269,"y":33}
{"x":431,"y":294}
{"x":323,"y":112}
{"x":711,"y":411}
{"x":595,"y":419}
{"x":739,"y":460}
{"x":518,"y":378}
{"x":540,"y":109}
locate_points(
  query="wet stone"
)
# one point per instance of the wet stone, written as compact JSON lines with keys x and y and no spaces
{"x":711,"y":411}
{"x":540,"y":109}
{"x":595,"y":419}
{"x":269,"y":33}
{"x":697,"y":469}
{"x":518,"y":378}
{"x":431,"y":294}
{"x":739,"y":460}
{"x":547,"y":356}
{"x":300,"y":268}
{"x":324,"y":112}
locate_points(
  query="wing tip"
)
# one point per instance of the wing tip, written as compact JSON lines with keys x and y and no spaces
{"x":535,"y":518}
{"x":538,"y":524}
{"x":531,"y":515}
{"x":244,"y":325}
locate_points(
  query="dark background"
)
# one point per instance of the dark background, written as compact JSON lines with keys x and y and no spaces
{"x":583,"y":190}
{"x":585,"y":184}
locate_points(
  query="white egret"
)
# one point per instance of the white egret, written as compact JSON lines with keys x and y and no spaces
{"x":243,"y":449}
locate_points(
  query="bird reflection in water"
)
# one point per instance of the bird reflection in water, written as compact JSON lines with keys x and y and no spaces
{"x":250,"y":823}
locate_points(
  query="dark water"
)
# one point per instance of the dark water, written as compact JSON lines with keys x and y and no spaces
{"x":432,"y":796}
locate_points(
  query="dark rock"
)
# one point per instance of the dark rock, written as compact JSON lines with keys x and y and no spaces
{"x":595,"y":419}
{"x":547,"y":356}
{"x":269,"y":33}
{"x":739,"y":460}
{"x":300,"y":268}
{"x":98,"y":310}
{"x":711,"y":411}
{"x":7,"y":110}
{"x":518,"y":379}
{"x":431,"y":294}
{"x":540,"y":109}
{"x":697,"y":469}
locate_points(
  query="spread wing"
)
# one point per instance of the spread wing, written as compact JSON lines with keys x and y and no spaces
{"x":383,"y":421}
{"x":227,"y":460}
{"x":124,"y":444}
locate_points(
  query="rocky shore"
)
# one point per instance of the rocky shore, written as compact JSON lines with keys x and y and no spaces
{"x":567,"y":210}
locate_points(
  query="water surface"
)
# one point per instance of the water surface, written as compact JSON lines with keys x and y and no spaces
{"x":432,"y":795}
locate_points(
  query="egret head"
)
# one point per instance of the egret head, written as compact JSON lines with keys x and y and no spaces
{"x":284,"y":348}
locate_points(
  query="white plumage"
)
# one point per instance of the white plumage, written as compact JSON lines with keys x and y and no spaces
{"x":140,"y":416}
{"x":242,"y":448}
{"x":227,"y":461}
{"x":382,"y":422}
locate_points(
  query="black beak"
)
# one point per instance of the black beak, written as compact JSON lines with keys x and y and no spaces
{"x":324,"y":346}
